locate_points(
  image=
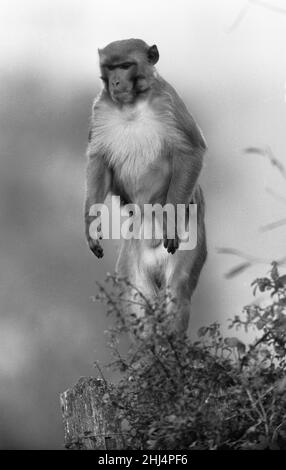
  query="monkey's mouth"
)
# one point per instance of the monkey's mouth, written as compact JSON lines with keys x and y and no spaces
{"x":123,"y":96}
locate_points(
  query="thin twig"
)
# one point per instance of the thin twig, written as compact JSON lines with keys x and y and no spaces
{"x":141,"y":295}
{"x":108,"y":296}
{"x":268,"y":153}
{"x":101,"y":373}
{"x":269,"y":6}
{"x":241,"y":15}
{"x":252,"y":401}
{"x":176,"y":355}
{"x":273,"y":225}
{"x":276,"y":195}
{"x":259,"y":3}
{"x":122,"y":299}
{"x":265,"y":420}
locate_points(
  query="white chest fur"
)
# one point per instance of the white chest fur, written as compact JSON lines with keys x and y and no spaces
{"x":131,"y":137}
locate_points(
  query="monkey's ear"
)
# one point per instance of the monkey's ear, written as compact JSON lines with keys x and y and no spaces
{"x":153,"y":54}
{"x":101,"y":56}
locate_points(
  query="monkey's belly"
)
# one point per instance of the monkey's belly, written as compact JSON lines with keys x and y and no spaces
{"x":149,"y":187}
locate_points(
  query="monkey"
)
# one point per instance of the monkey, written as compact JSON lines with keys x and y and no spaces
{"x":145,"y":147}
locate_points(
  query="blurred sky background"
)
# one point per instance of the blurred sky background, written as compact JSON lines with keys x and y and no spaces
{"x":234,"y":84}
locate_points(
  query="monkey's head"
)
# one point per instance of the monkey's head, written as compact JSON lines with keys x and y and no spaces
{"x":127,"y":69}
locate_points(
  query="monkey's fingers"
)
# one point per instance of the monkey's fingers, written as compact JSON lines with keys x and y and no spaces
{"x":98,"y":252}
{"x":176,"y":243}
{"x":171,"y":245}
{"x":96,"y":249}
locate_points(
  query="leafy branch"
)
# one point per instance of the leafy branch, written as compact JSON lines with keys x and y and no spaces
{"x":213,"y":393}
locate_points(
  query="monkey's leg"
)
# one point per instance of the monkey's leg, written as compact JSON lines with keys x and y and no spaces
{"x":201,"y":249}
{"x":179,"y":288}
{"x":184,"y":268}
{"x":139,"y":292}
{"x":185,"y":272}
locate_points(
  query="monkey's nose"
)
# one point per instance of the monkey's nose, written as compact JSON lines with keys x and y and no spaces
{"x":115,"y":83}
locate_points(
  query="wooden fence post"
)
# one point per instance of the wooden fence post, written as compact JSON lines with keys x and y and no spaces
{"x":90,"y":420}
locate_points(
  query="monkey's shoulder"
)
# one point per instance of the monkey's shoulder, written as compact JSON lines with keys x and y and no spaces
{"x":182,"y":117}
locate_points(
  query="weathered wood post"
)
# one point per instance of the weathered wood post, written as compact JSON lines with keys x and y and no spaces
{"x":90,"y":420}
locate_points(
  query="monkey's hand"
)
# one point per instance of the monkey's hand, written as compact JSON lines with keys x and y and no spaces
{"x":95,"y":247}
{"x":171,"y":244}
{"x":93,"y":236}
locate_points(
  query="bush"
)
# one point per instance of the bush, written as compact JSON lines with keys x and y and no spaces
{"x":214,"y":393}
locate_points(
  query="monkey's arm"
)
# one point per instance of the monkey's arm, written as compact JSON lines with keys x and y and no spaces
{"x":185,"y":172}
{"x":187,"y":161}
{"x":98,"y":183}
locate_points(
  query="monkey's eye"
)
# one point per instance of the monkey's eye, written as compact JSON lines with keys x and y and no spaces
{"x":104,"y":79}
{"x":125,"y":66}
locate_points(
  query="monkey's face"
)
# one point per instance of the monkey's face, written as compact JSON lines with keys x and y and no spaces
{"x":127,"y":69}
{"x":120,"y":80}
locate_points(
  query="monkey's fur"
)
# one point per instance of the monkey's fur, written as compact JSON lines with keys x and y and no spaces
{"x":145,"y":147}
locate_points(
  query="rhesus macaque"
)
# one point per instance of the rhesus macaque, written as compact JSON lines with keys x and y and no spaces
{"x":145,"y":147}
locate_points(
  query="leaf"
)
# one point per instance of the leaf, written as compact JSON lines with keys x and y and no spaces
{"x":260,"y":324}
{"x":171,"y":418}
{"x":281,"y":385}
{"x":202,"y":331}
{"x":237,"y":269}
{"x":125,"y":425}
{"x":241,"y":347}
{"x":235,"y":343}
{"x":274,"y":271}
{"x":263,"y":443}
{"x":282,"y":281}
{"x":280,"y":322}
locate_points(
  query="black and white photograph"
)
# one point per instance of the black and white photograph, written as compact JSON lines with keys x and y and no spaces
{"x":143,"y":228}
